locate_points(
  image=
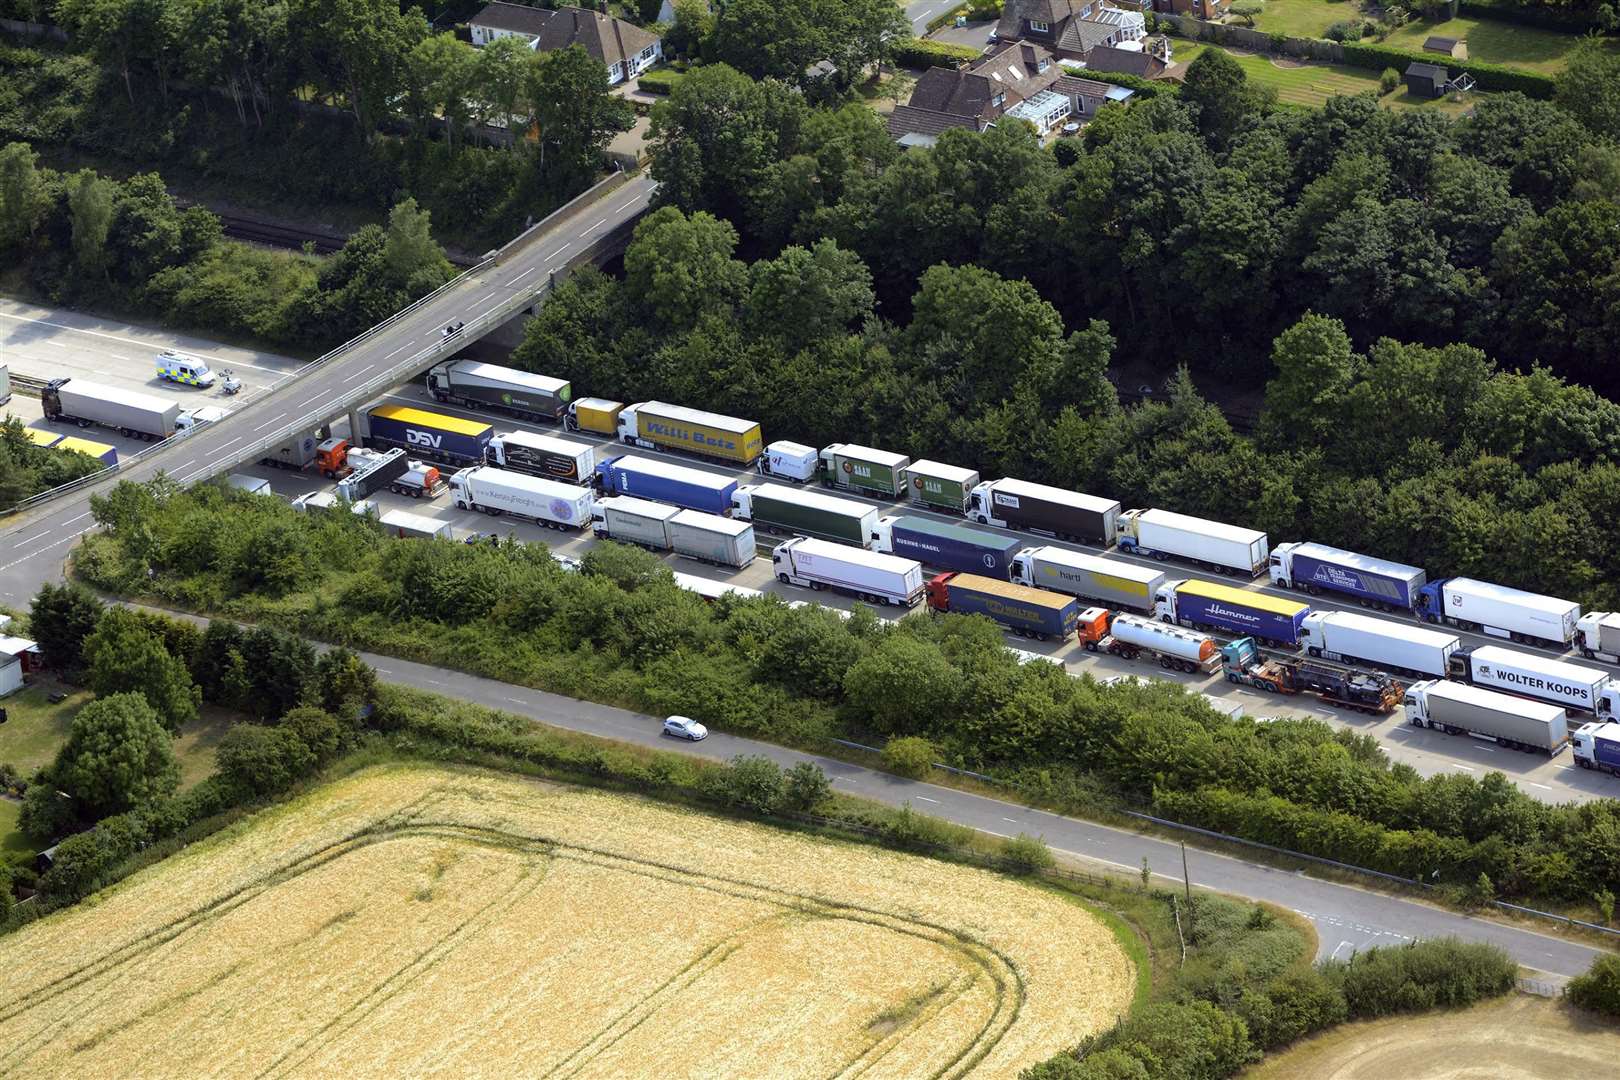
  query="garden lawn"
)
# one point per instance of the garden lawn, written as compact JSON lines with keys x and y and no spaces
{"x":36,"y":729}
{"x":1303,"y":18}
{"x":1527,"y":47}
{"x":10,"y":839}
{"x":1312,"y":84}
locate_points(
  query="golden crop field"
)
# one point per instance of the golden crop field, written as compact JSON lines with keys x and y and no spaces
{"x":412,"y":920}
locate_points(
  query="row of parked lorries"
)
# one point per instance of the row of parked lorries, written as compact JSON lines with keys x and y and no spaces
{"x":1035,"y":590}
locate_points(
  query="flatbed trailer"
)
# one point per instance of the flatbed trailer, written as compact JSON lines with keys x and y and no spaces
{"x":1368,"y":692}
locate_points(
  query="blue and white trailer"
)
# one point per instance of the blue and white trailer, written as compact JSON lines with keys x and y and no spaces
{"x":947,"y":544}
{"x":1206,"y":606}
{"x":1316,"y":568}
{"x":661,"y":481}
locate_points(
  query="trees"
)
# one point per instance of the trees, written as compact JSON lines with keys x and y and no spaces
{"x":681,"y":268}
{"x":61,"y":617}
{"x":1316,"y":368}
{"x":981,"y":335}
{"x":118,"y":757}
{"x":263,"y":760}
{"x":122,"y":656}
{"x":1589,"y":89}
{"x":441,"y":72}
{"x":413,"y":260}
{"x":23,"y":199}
{"x":577,"y":115}
{"x":90,"y":204}
{"x":804,"y":295}
{"x":1218,"y":89}
{"x":360,"y":49}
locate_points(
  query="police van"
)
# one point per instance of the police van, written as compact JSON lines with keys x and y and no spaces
{"x":181,"y":368}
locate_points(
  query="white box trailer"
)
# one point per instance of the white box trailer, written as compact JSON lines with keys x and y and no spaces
{"x":1351,"y":638}
{"x":329,"y":500}
{"x":712,"y":590}
{"x":5,"y":384}
{"x":542,"y":455}
{"x":1512,"y":721}
{"x":546,"y":502}
{"x":1597,"y":635}
{"x":711,"y":538}
{"x":1499,"y":611}
{"x":1009,"y":503}
{"x":820,"y":564}
{"x":791,"y":461}
{"x":1090,"y":577}
{"x":633,"y":521}
{"x":1579,"y":689}
{"x":408,"y":526}
{"x":1215,"y":544}
{"x":253,"y":485}
{"x":131,"y":414}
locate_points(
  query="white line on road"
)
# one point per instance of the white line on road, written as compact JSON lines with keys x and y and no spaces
{"x":223,"y":445}
{"x":269,"y":423}
{"x":593,"y":228}
{"x":1532,"y":783}
{"x":385,"y":671}
{"x":359,"y":373}
{"x":626,"y":206}
{"x":56,"y":344}
{"x":81,"y":517}
{"x":517,"y":701}
{"x":1469,"y":768}
{"x":31,"y":539}
{"x":1013,"y":820}
{"x":397,"y":351}
{"x":43,"y":550}
{"x":559,"y":251}
{"x":523,"y":275}
{"x":494,"y":298}
{"x":924,"y":798}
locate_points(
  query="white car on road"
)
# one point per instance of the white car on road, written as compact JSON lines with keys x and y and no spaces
{"x":684,"y":727}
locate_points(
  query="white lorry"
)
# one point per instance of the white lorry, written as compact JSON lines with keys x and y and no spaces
{"x":407,"y":526}
{"x":1161,"y":534}
{"x":1512,"y":721}
{"x":1576,"y":688}
{"x":633,"y":521}
{"x":1351,"y":638}
{"x":546,"y":502}
{"x":330,"y":500}
{"x":790,"y":461}
{"x":1597,"y":635}
{"x":819,"y":564}
{"x":1499,"y":611}
{"x":542,"y":455}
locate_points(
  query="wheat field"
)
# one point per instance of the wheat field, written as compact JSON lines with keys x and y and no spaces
{"x":412,"y":921}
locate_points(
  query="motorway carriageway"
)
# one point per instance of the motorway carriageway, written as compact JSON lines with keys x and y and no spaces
{"x":1430,"y":752}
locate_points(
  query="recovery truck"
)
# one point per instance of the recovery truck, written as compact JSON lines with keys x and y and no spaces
{"x":1359,"y":691}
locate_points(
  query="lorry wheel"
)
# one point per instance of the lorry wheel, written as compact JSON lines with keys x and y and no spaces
{"x":1091,"y":646}
{"x":1587,"y":653}
{"x":783,"y":578}
{"x":816,"y":586}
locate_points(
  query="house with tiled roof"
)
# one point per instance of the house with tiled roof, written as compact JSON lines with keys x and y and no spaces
{"x":1149,"y":59}
{"x":627,"y":50}
{"x":1016,"y":79}
{"x":1069,"y":28}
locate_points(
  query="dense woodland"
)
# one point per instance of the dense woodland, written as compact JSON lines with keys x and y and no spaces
{"x":621,"y":631}
{"x":1420,"y":298}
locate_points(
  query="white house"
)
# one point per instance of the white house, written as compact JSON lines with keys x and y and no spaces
{"x":17,"y":655}
{"x":627,"y":50}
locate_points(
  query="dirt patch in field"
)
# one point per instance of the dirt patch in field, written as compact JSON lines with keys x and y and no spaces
{"x":1516,"y":1038}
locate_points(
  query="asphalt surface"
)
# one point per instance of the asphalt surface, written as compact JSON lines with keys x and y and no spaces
{"x":1347,"y":918}
{"x":321,"y":393}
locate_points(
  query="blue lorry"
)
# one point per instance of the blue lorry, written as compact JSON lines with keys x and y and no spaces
{"x":447,"y":440}
{"x":947,"y":545}
{"x":1204,"y":605}
{"x":661,"y":481}
{"x":1317,"y":568}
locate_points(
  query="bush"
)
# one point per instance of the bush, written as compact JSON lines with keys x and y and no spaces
{"x":263,"y":760}
{"x":1438,"y":973}
{"x":752,"y":783}
{"x":1389,"y":81}
{"x":1026,"y":855}
{"x":1598,"y":989}
{"x":1348,"y":30}
{"x":921,"y":53}
{"x":807,"y":787}
{"x":909,"y":756}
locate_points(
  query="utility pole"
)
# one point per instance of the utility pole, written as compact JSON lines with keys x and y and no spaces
{"x":1185,"y":880}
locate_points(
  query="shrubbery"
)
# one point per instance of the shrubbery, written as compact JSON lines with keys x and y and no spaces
{"x":1442,"y":973}
{"x":1598,"y":989}
{"x":924,"y":53}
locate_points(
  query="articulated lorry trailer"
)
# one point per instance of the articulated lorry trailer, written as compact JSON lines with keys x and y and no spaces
{"x":1206,"y":606}
{"x":1370,"y":692}
{"x":546,"y":502}
{"x":1228,"y":549}
{"x":778,"y":509}
{"x":663,"y":481}
{"x":372,"y":470}
{"x":941,"y":487}
{"x":1067,"y":515}
{"x":1499,"y":611}
{"x":1352,"y":638}
{"x":447,"y":440}
{"x":132,"y":415}
{"x":409,"y":526}
{"x":542,"y":455}
{"x":821,"y":564}
{"x":478,"y":385}
{"x":861,"y":468}
{"x":1576,"y":688}
{"x":1025,"y":611}
{"x":1317,"y":568}
{"x":633,"y":521}
{"x":1111,"y":582}
{"x":1131,"y":637}
{"x":657,"y":425}
{"x":949,"y":545}
{"x":711,"y":538}
{"x":1596,"y":745}
{"x":1458,"y":709}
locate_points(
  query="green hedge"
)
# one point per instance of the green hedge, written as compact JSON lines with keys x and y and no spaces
{"x":946,"y":16}
{"x":660,"y":82}
{"x":1144,"y":87}
{"x":1487,"y":76}
{"x":918,"y":53}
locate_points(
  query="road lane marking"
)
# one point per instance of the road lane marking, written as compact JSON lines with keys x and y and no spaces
{"x":43,"y":550}
{"x":36,"y":536}
{"x":1532,"y":783}
{"x":134,"y":341}
{"x":559,"y":251}
{"x":1013,"y":820}
{"x":593,"y":228}
{"x":494,"y":298}
{"x":397,"y":351}
{"x":626,"y":206}
{"x":81,"y":517}
{"x":924,"y":798}
{"x":523,"y":275}
{"x":268,"y":423}
{"x":359,"y":373}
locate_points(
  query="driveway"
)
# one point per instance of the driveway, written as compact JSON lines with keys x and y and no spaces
{"x":975,"y":35}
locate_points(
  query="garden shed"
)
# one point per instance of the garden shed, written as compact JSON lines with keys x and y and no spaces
{"x":1426,"y":80}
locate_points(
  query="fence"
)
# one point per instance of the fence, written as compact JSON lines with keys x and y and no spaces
{"x":500,"y":313}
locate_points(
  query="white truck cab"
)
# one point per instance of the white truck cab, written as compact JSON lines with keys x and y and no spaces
{"x":184,"y":368}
